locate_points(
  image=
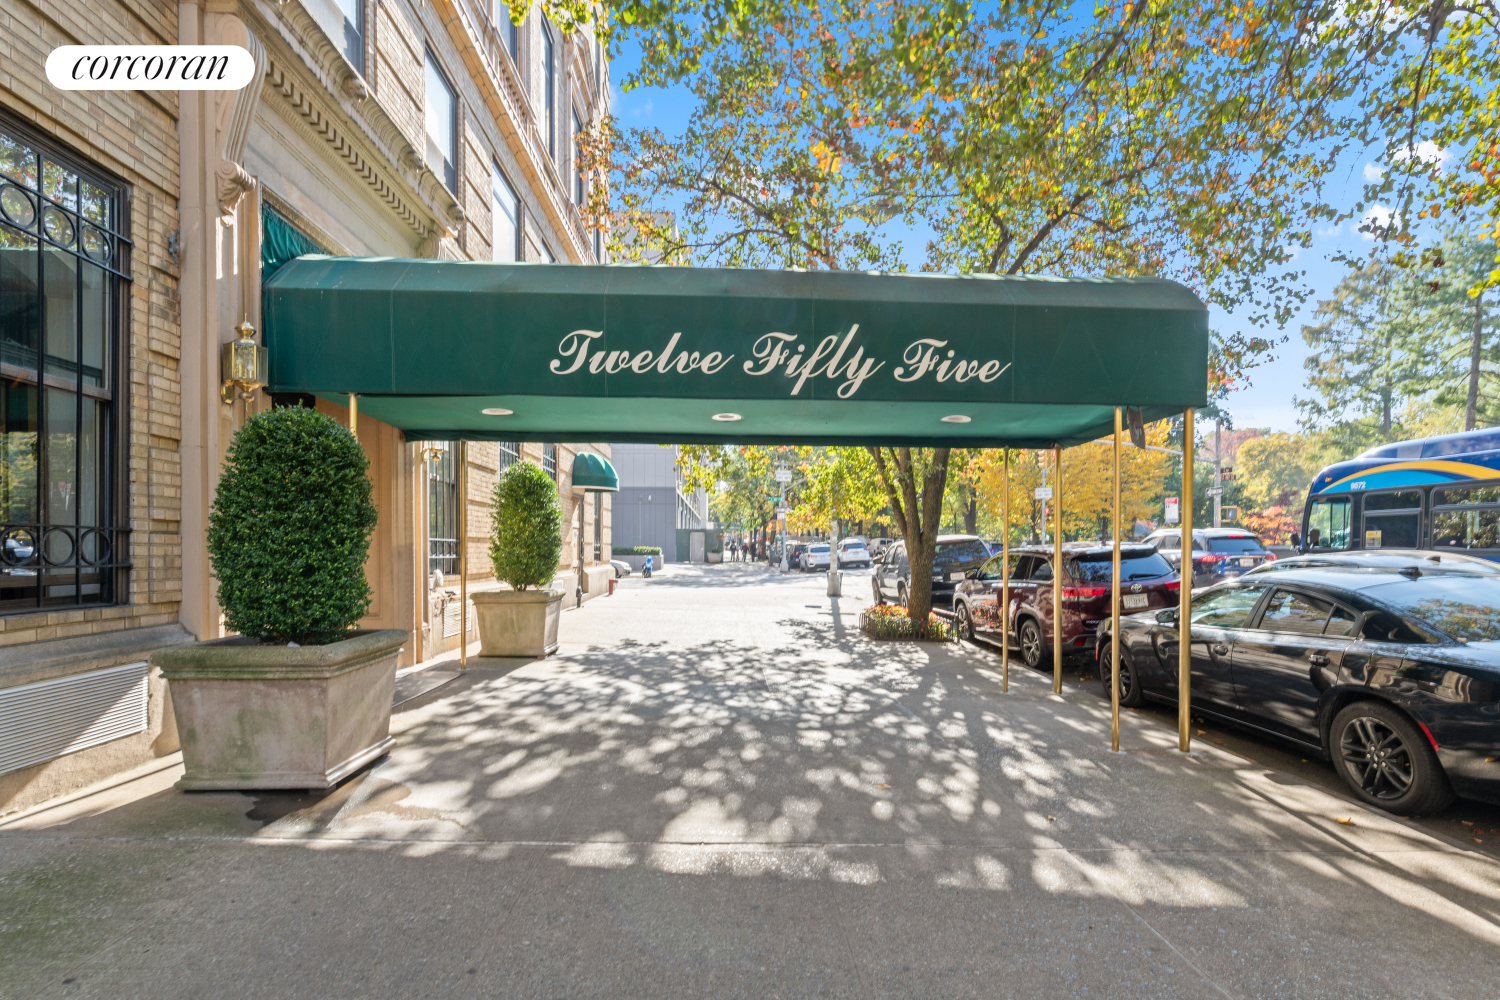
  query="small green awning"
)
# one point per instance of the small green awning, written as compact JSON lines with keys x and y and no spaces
{"x":593,"y":472}
{"x":526,"y":352}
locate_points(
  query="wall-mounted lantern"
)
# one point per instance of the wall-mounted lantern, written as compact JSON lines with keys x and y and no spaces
{"x":242,"y":365}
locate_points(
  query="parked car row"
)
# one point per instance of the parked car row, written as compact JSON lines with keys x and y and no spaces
{"x":1386,"y":663}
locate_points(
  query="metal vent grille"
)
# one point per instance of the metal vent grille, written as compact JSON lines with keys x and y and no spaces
{"x":41,"y":721}
{"x":450,"y":618}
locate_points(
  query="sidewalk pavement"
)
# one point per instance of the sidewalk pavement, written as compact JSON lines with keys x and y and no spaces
{"x":720,"y":788}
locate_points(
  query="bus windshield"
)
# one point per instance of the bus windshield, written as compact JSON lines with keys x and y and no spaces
{"x":1328,"y":524}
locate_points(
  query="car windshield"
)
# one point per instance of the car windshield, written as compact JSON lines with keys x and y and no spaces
{"x":971,"y":550}
{"x":1094,"y":566}
{"x":854,"y":545}
{"x":1237,"y":544}
{"x":818,"y":548}
{"x":1465,"y":605}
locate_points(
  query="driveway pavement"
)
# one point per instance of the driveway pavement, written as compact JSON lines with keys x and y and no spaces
{"x":719,"y":788}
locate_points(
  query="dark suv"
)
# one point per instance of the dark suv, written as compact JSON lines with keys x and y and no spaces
{"x":1218,"y":553}
{"x":1148,"y":581}
{"x":956,"y":555}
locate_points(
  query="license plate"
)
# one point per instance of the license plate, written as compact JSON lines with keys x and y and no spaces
{"x":1135,"y":600}
{"x":955,"y":577}
{"x":1247,"y":562}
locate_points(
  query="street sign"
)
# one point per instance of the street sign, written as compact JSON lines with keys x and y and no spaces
{"x":1216,"y":491}
{"x":1173,"y":514}
{"x":782,"y":512}
{"x":783,"y":475}
{"x":1044,"y":493}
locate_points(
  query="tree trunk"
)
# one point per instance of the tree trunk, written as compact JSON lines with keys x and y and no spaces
{"x":1385,"y":412}
{"x":971,"y":516}
{"x":1471,"y":409}
{"x":917,"y":511}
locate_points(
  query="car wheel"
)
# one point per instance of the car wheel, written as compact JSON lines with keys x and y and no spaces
{"x":875,"y":586}
{"x":901,"y":594}
{"x":965,"y":621}
{"x":1033,"y":649}
{"x":1387,"y":761}
{"x":1131,"y":695}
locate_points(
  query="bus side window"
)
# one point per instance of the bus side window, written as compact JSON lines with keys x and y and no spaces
{"x":1328,"y":524}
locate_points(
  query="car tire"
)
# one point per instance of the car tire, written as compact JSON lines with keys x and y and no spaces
{"x":1131,"y":695}
{"x":901,"y":595}
{"x":1387,"y":761}
{"x":875,"y":586}
{"x":965,"y":621}
{"x":1034,"y":651}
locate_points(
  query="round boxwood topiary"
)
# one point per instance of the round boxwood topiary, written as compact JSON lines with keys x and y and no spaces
{"x":528,"y":520}
{"x":290,"y":528}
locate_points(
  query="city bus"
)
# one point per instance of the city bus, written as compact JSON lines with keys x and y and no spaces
{"x":1440,"y":493}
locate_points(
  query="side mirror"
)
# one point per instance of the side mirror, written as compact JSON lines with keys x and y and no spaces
{"x":972,"y":574}
{"x":1297,"y":540}
{"x":1167,"y":617}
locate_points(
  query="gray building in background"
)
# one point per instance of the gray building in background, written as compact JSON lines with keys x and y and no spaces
{"x":652,"y":505}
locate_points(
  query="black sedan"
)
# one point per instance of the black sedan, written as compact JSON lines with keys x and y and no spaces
{"x":1393,"y":674}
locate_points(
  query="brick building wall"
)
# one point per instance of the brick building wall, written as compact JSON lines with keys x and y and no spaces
{"x":133,"y":138}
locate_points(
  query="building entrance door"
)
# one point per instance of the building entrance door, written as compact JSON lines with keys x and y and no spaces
{"x":695,"y":546}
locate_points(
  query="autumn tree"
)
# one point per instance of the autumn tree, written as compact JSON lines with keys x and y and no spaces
{"x":839,"y":484}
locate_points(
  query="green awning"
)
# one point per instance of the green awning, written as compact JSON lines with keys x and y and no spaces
{"x":593,"y":472}
{"x":655,"y":354}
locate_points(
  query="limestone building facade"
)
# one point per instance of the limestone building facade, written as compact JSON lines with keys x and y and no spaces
{"x":136,"y":228}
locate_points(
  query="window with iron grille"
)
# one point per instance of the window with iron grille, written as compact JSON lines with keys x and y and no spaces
{"x":549,"y":460}
{"x":64,"y":264}
{"x":442,"y":510}
{"x":510,"y":454}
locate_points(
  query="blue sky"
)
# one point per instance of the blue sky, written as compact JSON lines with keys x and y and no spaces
{"x":1267,"y":401}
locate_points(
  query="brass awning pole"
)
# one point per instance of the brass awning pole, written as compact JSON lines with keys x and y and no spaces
{"x":463,"y":555}
{"x":418,"y":466}
{"x":1005,"y":582}
{"x":1114,"y":607}
{"x":1184,"y":612}
{"x":1057,"y":610}
{"x":354,"y":415}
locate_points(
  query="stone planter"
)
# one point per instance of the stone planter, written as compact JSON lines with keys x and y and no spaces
{"x":517,"y":622}
{"x":638,"y":563}
{"x":253,"y":716}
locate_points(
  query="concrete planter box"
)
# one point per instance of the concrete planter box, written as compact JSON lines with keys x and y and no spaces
{"x":638,"y":563}
{"x":253,"y":716}
{"x":517,"y":622}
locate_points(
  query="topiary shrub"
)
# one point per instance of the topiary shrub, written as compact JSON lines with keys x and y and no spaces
{"x":290,"y":528}
{"x":527,"y":539}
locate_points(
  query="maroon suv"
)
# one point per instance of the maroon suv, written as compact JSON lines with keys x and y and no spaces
{"x":1148,"y":580}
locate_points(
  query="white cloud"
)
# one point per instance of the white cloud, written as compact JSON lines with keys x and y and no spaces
{"x":1426,"y":151}
{"x":1377,"y":218}
{"x":1373,"y":173}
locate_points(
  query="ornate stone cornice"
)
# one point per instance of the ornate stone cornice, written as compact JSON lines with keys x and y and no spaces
{"x":314,"y":80}
{"x":279,"y":82}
